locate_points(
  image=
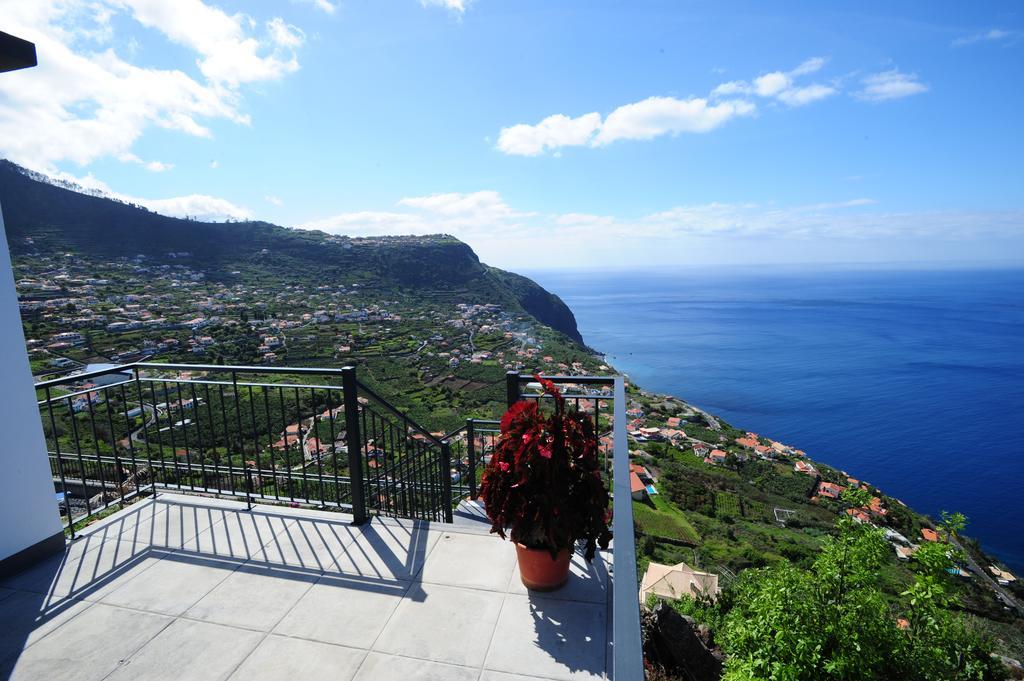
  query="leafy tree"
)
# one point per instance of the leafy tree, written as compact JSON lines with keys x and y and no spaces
{"x":833,"y":621}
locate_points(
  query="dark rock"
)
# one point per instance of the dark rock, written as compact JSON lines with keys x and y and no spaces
{"x":683,"y":648}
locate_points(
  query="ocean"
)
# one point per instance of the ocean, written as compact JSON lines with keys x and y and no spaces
{"x":911,"y":380}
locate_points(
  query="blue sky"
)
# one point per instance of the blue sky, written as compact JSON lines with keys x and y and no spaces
{"x":593,"y":134}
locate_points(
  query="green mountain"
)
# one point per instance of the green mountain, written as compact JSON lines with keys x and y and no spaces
{"x":58,"y":218}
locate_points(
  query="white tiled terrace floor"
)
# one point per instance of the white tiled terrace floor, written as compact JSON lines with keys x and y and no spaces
{"x":183,"y":587}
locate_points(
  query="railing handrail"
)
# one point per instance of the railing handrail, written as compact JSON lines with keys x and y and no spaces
{"x":73,"y":378}
{"x":220,"y":368}
{"x":563,"y":378}
{"x":394,"y":412}
{"x":452,"y":433}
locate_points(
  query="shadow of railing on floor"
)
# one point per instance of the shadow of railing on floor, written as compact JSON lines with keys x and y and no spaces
{"x":382,"y":555}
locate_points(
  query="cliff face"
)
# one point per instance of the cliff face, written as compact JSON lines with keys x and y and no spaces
{"x":541,"y":303}
{"x":58,"y":219}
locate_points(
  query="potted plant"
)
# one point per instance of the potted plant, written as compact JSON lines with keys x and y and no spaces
{"x":543,"y":487}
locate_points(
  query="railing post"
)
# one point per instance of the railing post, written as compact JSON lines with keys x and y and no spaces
{"x":446,"y":481}
{"x":353,"y":442}
{"x":471,"y":456}
{"x":512,"y":392}
{"x":625,"y":613}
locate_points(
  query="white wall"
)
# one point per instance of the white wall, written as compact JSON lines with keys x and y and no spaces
{"x":28,"y":510}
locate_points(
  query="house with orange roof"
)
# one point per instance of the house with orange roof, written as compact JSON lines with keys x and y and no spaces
{"x":637,"y":488}
{"x":829,"y":489}
{"x":876,"y":506}
{"x":748,"y":442}
{"x":859,"y":515}
{"x":673,"y":433}
{"x":805,"y":468}
{"x":673,"y":422}
{"x":929,"y":534}
{"x":717,"y":456}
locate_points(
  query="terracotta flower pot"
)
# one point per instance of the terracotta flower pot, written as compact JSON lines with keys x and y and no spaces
{"x":539,"y":572}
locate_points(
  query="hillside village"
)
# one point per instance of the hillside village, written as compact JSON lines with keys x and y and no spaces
{"x":80,"y":313}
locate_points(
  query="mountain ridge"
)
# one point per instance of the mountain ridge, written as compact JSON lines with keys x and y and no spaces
{"x":59,"y":216}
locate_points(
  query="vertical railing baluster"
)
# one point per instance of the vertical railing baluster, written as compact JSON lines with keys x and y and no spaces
{"x":184,"y":436}
{"x":284,"y":441}
{"x":446,"y":481}
{"x":255,"y":440}
{"x":145,"y":434}
{"x":96,"y":447}
{"x":199,"y":436}
{"x":334,"y":448}
{"x":238,"y":417}
{"x":319,"y":448}
{"x":302,"y":446}
{"x":270,"y":441}
{"x":78,"y":455}
{"x":60,"y":461}
{"x":227,"y":438}
{"x":170,"y":434}
{"x":131,"y":445}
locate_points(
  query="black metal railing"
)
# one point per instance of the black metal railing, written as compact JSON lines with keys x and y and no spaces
{"x":268,"y":433}
{"x":471,"y":446}
{"x":306,"y":436}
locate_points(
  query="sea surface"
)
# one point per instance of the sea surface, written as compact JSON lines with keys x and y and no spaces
{"x":912,"y":380}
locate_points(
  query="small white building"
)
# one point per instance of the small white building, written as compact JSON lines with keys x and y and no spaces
{"x":670,"y":582}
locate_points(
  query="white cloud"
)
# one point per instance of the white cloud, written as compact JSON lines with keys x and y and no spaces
{"x":284,"y":34}
{"x":551,"y":133}
{"x":643,"y":120}
{"x":990,"y":36}
{"x":158,"y":166}
{"x":86,"y":101}
{"x":657,"y":116}
{"x":273,"y":200}
{"x":798,"y":96}
{"x":152,"y":166}
{"x":457,"y":6}
{"x":498,"y":231}
{"x":781,"y":85}
{"x":322,"y":5}
{"x":812,"y":65}
{"x":197,"y":206}
{"x":228,"y":53}
{"x":477,"y":212}
{"x":892,"y":84}
{"x":215,"y":164}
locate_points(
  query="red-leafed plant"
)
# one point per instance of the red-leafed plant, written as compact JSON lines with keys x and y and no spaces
{"x":543,"y":484}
